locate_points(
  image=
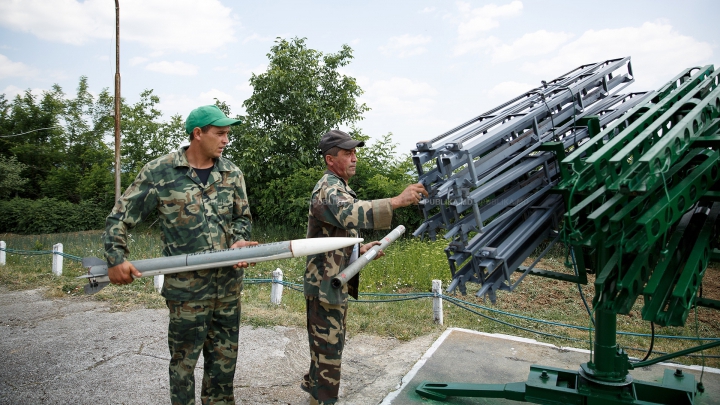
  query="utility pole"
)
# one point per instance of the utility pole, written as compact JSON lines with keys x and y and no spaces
{"x":117,"y":100}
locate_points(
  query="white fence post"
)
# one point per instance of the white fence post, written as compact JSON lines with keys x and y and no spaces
{"x":277,"y":288}
{"x":437,"y":302}
{"x":158,"y":281}
{"x":2,"y":252}
{"x":57,"y":262}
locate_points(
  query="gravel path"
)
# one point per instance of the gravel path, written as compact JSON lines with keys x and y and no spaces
{"x":75,"y":351}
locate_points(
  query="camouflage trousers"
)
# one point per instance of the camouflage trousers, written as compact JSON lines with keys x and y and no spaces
{"x":211,"y":326}
{"x":326,"y":335}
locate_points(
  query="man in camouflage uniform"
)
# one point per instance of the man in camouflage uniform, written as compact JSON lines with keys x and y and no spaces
{"x":335,"y":211}
{"x":201,"y":201}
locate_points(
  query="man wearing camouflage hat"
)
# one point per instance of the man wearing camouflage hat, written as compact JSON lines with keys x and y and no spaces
{"x":336,"y":211}
{"x":200,"y":199}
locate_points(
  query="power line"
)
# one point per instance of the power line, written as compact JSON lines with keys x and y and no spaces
{"x":34,"y":130}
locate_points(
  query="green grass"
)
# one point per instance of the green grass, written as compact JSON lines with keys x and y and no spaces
{"x":409,"y":267}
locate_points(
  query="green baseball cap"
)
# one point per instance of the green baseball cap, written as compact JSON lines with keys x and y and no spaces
{"x":207,"y":115}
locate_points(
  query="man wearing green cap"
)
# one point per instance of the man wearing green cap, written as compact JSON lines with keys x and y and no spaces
{"x":201,"y":202}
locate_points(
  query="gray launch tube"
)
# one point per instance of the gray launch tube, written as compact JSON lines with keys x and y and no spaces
{"x":354,"y":268}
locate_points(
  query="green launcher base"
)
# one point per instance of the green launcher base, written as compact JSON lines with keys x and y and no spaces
{"x":547,"y":385}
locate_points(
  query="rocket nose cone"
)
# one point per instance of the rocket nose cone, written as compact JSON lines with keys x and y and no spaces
{"x":305,"y":247}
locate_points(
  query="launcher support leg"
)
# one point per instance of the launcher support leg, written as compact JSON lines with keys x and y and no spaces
{"x":440,"y":391}
{"x":555,"y":386}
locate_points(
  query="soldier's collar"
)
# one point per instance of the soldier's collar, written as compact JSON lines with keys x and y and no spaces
{"x":330,"y":173}
{"x":223,"y":164}
{"x":180,"y":160}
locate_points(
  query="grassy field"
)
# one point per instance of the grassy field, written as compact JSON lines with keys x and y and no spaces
{"x":409,"y":267}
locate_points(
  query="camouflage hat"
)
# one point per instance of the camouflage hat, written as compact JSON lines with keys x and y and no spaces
{"x":207,"y":115}
{"x":338,"y":138}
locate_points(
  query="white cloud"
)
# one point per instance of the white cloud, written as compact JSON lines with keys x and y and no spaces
{"x":9,"y":68}
{"x":173,"y":68}
{"x":478,"y":20}
{"x":258,"y":38}
{"x":66,"y":21}
{"x":405,"y":107}
{"x":473,"y":23}
{"x":185,"y":25}
{"x":208,"y":97}
{"x":171,"y":104}
{"x":405,"y":45}
{"x":427,"y":10}
{"x":658,"y":52}
{"x":532,"y":44}
{"x":137,"y":60}
{"x":259,"y":69}
{"x":486,"y":44}
{"x":399,"y":96}
{"x":11,"y":92}
{"x":508,"y":90}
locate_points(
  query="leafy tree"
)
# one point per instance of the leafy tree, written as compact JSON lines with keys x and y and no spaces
{"x":31,"y":132}
{"x":11,"y":182}
{"x":5,"y":125}
{"x":86,"y":125}
{"x":300,"y":97}
{"x":144,"y":136}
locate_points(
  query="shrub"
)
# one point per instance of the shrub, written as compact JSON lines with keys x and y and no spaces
{"x":286,"y":201}
{"x":48,"y":215}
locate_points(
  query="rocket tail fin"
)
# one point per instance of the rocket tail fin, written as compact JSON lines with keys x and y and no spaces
{"x":93,"y":286}
{"x":92,"y":261}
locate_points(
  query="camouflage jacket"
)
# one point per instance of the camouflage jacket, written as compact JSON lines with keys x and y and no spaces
{"x":193,"y":218}
{"x":335,"y":211}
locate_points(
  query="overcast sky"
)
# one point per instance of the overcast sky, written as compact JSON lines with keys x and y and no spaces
{"x":425,"y":66}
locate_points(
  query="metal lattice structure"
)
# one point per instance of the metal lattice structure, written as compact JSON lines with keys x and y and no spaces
{"x":491,"y":182}
{"x":629,"y":182}
{"x":643,"y":197}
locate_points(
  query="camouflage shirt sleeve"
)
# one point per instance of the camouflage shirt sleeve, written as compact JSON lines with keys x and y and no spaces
{"x":241,"y":221}
{"x":138,"y":201}
{"x":337,"y":205}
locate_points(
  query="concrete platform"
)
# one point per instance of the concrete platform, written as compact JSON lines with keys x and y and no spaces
{"x":464,"y":356}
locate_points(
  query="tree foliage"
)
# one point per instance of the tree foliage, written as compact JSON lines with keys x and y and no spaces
{"x":30,"y":131}
{"x":60,"y":150}
{"x":145,"y":136}
{"x":380,"y":173}
{"x":301,"y":96}
{"x":83,"y":147}
{"x":11,"y":182}
{"x":57,"y":152}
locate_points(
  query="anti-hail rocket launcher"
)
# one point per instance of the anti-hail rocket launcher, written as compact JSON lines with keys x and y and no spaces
{"x":98,"y":270}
